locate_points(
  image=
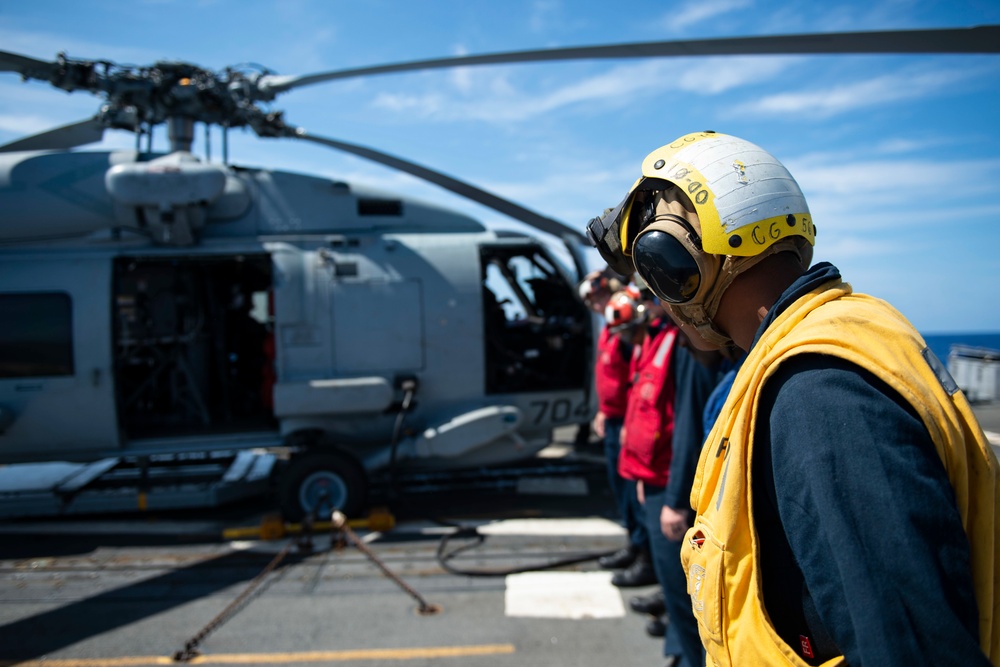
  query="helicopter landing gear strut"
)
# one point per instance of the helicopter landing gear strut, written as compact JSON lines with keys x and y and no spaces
{"x":322,"y":481}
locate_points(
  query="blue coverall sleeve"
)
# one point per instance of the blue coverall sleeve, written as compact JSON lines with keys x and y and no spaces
{"x":870,"y":517}
{"x":694,"y":384}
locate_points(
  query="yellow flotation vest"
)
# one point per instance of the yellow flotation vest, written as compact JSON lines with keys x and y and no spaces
{"x":720,"y":550}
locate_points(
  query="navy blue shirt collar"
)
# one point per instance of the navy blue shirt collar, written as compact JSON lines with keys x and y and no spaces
{"x":818,"y":274}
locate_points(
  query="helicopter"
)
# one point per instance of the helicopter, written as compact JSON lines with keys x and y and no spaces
{"x":182,"y":307}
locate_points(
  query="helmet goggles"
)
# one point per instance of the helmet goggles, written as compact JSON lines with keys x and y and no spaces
{"x":662,"y":236}
{"x":610,"y":232}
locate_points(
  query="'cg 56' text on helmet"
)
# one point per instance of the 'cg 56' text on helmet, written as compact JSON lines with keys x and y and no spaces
{"x":707,"y":207}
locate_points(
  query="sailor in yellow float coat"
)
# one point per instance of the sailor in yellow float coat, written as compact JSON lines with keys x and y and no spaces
{"x":720,"y":231}
{"x":719,"y":556}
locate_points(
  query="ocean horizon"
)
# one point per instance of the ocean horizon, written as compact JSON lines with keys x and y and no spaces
{"x":940,"y":343}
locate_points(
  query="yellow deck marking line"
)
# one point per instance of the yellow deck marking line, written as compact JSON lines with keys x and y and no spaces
{"x":276,"y":658}
{"x":127,"y":661}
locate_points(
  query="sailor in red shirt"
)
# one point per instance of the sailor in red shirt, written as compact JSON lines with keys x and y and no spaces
{"x":624,"y":317}
{"x":647,"y":431}
{"x":612,"y":378}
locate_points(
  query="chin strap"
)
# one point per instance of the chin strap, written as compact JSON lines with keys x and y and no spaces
{"x":701,"y":315}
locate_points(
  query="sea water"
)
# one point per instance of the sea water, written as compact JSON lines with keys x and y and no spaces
{"x":940,"y":344}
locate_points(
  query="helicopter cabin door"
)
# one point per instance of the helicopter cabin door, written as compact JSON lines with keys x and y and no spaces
{"x":56,"y":384}
{"x":193,"y":347}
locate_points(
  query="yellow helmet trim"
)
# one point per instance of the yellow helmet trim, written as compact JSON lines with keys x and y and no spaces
{"x":623,"y":218}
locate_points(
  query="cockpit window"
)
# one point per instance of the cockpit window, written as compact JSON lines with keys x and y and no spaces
{"x":536,"y":330}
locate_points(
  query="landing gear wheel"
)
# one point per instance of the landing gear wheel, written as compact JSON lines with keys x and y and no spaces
{"x":322,"y":480}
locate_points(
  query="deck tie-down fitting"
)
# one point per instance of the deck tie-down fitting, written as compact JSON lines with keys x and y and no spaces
{"x":339,"y":522}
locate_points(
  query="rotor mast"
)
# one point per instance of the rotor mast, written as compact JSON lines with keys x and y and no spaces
{"x":180,"y":133}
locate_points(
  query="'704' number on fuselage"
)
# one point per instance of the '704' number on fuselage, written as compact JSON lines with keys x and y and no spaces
{"x":558,"y":411}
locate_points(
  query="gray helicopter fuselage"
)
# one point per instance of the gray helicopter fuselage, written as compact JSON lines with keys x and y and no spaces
{"x":162,"y":306}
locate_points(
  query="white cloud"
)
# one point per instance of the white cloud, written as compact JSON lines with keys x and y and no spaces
{"x":885,"y":194}
{"x":899,"y":145}
{"x":897,"y":178}
{"x":712,"y":76}
{"x":905,"y":85}
{"x":461,"y":77}
{"x":697,"y":11}
{"x":491,"y":97}
{"x":542,"y":15}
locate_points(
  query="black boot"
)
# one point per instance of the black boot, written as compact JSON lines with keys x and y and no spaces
{"x":639,"y":573}
{"x":619,"y":559}
{"x":656,"y":627}
{"x":651,"y":604}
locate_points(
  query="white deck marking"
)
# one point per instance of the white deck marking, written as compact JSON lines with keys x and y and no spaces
{"x":553,"y":527}
{"x":588,"y":527}
{"x":556,"y":451}
{"x":572,"y":595}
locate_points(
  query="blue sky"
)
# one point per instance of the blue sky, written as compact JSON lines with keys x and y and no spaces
{"x":899,"y":156}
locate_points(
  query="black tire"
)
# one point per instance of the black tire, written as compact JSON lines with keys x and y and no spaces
{"x":309,"y":475}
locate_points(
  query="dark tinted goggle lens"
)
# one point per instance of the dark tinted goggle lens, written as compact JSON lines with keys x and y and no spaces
{"x":666,"y":266}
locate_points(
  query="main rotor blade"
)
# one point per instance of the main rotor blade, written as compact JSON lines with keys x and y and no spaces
{"x":981,"y":39}
{"x":462,"y":188}
{"x":81,"y":133}
{"x":26,"y":66}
